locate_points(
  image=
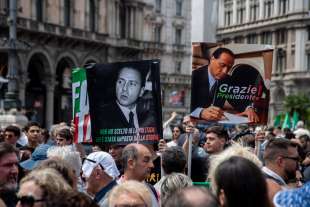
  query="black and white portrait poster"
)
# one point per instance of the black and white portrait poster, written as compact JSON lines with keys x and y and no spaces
{"x":124,"y":100}
{"x":231,"y":83}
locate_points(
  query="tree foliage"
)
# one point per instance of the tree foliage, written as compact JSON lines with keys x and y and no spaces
{"x":299,"y":103}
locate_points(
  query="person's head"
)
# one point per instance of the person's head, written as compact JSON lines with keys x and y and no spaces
{"x":173,"y":160}
{"x":282,"y":156}
{"x":129,"y":87}
{"x":173,"y":183}
{"x":40,"y":186}
{"x":38,"y":155}
{"x":11,"y":134}
{"x":176,"y":132}
{"x":73,"y":199}
{"x":137,"y":162}
{"x":64,"y":137}
{"x":305,"y":141}
{"x":67,"y":154}
{"x":234,"y":190}
{"x":216,"y":138}
{"x":99,"y":169}
{"x":62,"y":167}
{"x":8,"y":167}
{"x":221,"y":62}
{"x":45,"y":135}
{"x":192,"y":197}
{"x":116,"y":152}
{"x":234,"y":150}
{"x":33,"y":132}
{"x":130,"y":193}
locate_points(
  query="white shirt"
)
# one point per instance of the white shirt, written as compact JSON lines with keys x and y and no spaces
{"x":126,"y":112}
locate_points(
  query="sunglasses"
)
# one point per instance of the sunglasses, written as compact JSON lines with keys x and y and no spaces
{"x":28,"y":201}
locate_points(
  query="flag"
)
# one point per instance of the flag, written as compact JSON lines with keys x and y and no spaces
{"x":295,"y":119}
{"x":81,"y":116}
{"x":287,"y":121}
{"x":277,"y":121}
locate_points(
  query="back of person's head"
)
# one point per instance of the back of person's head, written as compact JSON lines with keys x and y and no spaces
{"x":14,"y":129}
{"x":49,"y":180}
{"x":30,"y":124}
{"x":62,"y":167}
{"x":67,"y":154}
{"x":217,"y":53}
{"x":275,"y":148}
{"x":192,"y":197}
{"x":6,"y":149}
{"x":128,"y":192}
{"x":220,"y":131}
{"x":173,"y":160}
{"x":72,"y":199}
{"x":173,"y":183}
{"x":240,"y":183}
{"x":234,"y":150}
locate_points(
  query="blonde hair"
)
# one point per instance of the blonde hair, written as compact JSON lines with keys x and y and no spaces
{"x":49,"y":180}
{"x":234,"y":150}
{"x":132,"y":187}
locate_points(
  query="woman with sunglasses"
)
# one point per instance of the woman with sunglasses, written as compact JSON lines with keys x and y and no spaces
{"x":40,"y":187}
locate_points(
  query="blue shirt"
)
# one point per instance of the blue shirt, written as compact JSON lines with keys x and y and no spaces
{"x":104,"y":191}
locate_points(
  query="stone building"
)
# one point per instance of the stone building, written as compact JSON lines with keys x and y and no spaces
{"x":63,"y":34}
{"x":285,"y":24}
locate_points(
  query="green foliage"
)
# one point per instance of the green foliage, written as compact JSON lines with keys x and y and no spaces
{"x":299,"y":103}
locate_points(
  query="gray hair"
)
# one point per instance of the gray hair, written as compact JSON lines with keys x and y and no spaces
{"x":173,"y":183}
{"x":68,"y":154}
{"x":129,"y":152}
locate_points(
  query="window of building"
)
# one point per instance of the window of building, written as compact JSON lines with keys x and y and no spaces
{"x":283,"y":7}
{"x":178,"y":36}
{"x":179,"y":7}
{"x":158,"y":6}
{"x":92,"y":15}
{"x":178,"y":66}
{"x":39,"y":10}
{"x":252,"y":39}
{"x":228,"y":5}
{"x":239,"y":39}
{"x":267,"y":38}
{"x":67,"y":12}
{"x":268,"y":8}
{"x":226,"y":40}
{"x":281,"y":60}
{"x":281,"y":36}
{"x":254,"y":10}
{"x":157,"y":32}
{"x":240,"y":11}
{"x":308,"y":30}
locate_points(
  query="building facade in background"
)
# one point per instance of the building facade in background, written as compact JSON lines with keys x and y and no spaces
{"x":64,"y":34}
{"x":285,"y":24}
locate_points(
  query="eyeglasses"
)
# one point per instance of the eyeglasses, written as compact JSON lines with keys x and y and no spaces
{"x":28,"y":201}
{"x":296,"y":159}
{"x":8,"y":135}
{"x":92,"y":161}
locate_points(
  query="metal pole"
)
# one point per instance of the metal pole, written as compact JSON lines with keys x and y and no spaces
{"x":189,"y":158}
{"x":10,"y":97}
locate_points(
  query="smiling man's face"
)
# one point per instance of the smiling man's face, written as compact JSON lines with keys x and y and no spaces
{"x":128,"y":87}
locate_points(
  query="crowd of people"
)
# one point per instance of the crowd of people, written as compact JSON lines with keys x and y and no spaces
{"x":240,"y":166}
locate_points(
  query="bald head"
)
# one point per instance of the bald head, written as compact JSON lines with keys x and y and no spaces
{"x":137,"y":161}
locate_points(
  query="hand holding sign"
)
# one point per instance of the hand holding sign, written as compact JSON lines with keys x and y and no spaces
{"x":212,"y":113}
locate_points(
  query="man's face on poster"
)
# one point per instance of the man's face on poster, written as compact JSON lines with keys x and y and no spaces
{"x":220,"y":67}
{"x":128,"y":87}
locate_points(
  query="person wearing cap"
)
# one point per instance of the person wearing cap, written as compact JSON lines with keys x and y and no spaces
{"x":100,"y":173}
{"x":38,"y":155}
